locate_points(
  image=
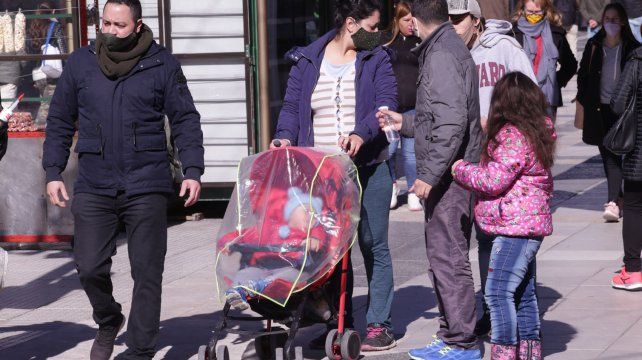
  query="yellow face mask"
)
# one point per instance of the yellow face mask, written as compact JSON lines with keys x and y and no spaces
{"x":534,"y":18}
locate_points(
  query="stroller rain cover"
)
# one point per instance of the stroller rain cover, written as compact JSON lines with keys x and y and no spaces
{"x":292,"y":217}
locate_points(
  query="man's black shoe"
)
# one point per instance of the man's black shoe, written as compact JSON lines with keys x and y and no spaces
{"x":103,"y":345}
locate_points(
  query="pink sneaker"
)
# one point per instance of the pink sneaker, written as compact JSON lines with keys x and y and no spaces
{"x":530,"y":350}
{"x":503,"y":352}
{"x":631,"y":281}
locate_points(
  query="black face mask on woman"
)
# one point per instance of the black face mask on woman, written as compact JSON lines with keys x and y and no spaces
{"x":366,"y":40}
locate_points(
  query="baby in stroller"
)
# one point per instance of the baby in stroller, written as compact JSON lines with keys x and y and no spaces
{"x":276,"y":252}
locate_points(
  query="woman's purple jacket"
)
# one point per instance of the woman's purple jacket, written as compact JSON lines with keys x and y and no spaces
{"x":375,"y":86}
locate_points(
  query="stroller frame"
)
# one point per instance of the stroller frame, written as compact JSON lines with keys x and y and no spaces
{"x":341,"y":343}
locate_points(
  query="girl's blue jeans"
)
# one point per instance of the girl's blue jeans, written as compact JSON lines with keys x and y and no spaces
{"x":510,"y":290}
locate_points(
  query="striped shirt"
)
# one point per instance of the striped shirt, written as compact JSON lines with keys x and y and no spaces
{"x":333,"y":105}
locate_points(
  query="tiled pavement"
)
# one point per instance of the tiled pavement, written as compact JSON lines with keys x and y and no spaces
{"x":44,"y":314}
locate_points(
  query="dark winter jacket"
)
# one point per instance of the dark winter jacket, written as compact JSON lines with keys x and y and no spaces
{"x":566,"y":60}
{"x":121,"y":138}
{"x":446,"y":127}
{"x":633,"y":7}
{"x":375,"y":86}
{"x":627,"y":86}
{"x":588,"y":87}
{"x":406,"y":68}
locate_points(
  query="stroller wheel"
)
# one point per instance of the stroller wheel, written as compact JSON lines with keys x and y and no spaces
{"x":278,"y":354}
{"x":222,"y":353}
{"x":350,"y":345}
{"x":330,"y":345}
{"x":203,"y":353}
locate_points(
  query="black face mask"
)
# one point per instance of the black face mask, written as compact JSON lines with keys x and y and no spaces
{"x":365,"y":40}
{"x":116,"y":44}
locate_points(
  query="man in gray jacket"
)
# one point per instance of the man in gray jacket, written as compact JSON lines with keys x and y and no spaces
{"x":446,"y":128}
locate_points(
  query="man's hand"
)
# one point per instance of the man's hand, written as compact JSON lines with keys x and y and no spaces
{"x":194,"y":188}
{"x":397,"y":119}
{"x":54,"y":189}
{"x":592,"y":23}
{"x":351,"y":145}
{"x":277,"y":143}
{"x":421,"y":189}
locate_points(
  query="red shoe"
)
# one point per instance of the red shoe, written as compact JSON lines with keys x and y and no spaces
{"x":627,"y":281}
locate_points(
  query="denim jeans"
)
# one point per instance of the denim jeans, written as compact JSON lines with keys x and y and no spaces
{"x":96,"y":219}
{"x":510,"y":290}
{"x":635,"y":24}
{"x":373,"y":243}
{"x":408,"y":159}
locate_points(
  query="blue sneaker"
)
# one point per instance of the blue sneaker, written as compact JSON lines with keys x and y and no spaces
{"x":421,"y":354}
{"x":449,"y":353}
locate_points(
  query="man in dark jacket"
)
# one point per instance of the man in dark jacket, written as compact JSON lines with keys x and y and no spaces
{"x":446,"y":128}
{"x":119,"y":92}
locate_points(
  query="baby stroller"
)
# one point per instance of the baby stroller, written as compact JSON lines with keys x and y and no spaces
{"x":292,"y":219}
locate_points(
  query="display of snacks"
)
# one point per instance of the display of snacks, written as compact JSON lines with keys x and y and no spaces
{"x":22,"y":122}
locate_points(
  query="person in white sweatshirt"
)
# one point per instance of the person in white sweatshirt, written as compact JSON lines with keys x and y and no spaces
{"x":496,"y":54}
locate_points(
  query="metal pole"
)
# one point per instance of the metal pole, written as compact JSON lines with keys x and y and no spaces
{"x":264,"y":93}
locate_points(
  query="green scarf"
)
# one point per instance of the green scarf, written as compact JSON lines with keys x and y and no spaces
{"x":116,"y":64}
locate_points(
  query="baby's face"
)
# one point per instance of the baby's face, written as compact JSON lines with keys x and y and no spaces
{"x":300,"y":218}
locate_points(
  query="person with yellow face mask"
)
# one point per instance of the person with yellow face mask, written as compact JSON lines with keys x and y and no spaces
{"x":538,"y":28}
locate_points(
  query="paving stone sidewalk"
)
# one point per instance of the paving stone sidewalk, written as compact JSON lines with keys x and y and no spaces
{"x":45,"y":315}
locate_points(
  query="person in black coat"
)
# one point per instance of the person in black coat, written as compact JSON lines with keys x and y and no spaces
{"x":535,"y":20}
{"x":630,"y":84}
{"x":603,"y":60}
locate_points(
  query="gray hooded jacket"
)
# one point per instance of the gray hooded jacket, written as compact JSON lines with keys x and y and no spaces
{"x":446,"y":126}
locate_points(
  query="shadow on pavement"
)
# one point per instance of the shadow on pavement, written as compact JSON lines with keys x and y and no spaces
{"x":555,"y":334}
{"x":43,"y":341}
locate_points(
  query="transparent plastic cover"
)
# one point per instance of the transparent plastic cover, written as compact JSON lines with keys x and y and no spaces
{"x":293,"y":215}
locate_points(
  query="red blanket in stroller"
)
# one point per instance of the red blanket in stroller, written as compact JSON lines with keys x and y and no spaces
{"x":293,"y":215}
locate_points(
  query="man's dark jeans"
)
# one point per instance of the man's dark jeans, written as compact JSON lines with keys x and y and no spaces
{"x":448,"y":227}
{"x":97,"y":219}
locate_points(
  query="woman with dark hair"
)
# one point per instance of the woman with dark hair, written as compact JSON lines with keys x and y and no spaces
{"x":401,"y":40}
{"x":335,"y":87}
{"x":538,"y":28}
{"x":628,"y":89}
{"x":37,"y":37}
{"x":602,"y":62}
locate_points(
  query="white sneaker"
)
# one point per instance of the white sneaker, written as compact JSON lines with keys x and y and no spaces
{"x":611,"y":212}
{"x":395,"y":193}
{"x":414,"y":204}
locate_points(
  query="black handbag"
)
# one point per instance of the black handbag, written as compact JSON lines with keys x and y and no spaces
{"x":621,"y":138}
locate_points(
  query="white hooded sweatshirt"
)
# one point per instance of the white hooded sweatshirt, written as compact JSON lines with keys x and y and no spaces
{"x":495,"y":55}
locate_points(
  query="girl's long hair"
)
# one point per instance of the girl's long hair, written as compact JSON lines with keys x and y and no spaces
{"x":518,"y":101}
{"x":402,"y":9}
{"x":550,"y":11}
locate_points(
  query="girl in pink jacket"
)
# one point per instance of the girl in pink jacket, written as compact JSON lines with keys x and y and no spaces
{"x":513,"y":186}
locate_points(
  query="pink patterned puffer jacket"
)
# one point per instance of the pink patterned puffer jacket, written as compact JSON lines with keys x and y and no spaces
{"x":513,"y":188}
